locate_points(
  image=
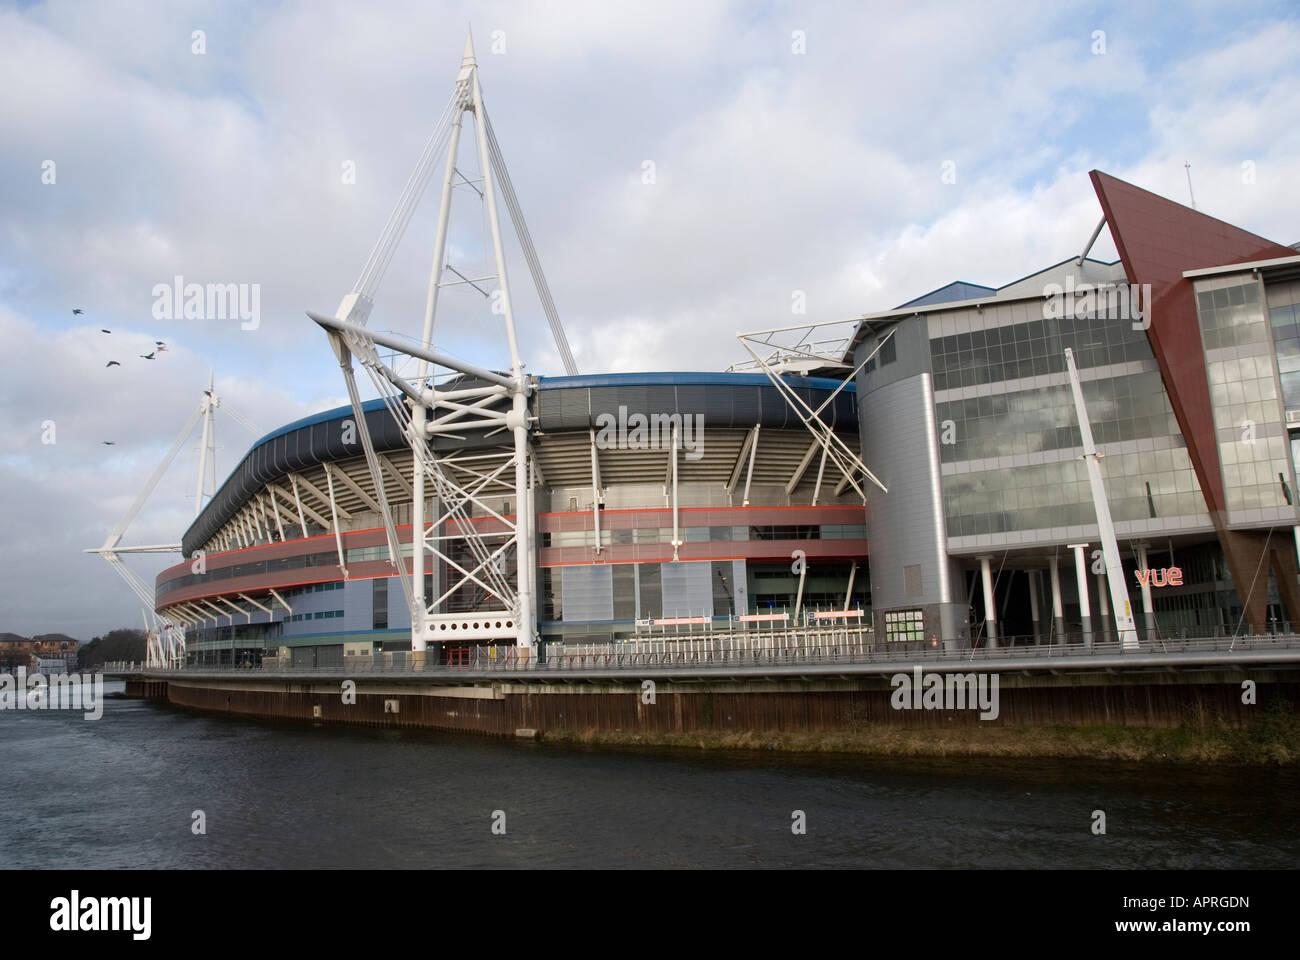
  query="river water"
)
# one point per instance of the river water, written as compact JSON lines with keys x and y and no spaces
{"x":122,"y":792}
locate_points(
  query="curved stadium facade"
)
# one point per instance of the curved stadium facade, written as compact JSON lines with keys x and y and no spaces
{"x":960,"y":403}
{"x":294,"y":555}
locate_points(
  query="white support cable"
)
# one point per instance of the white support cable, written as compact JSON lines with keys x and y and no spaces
{"x":117,"y":531}
{"x":242,"y":420}
{"x":530,"y":253}
{"x":408,"y":199}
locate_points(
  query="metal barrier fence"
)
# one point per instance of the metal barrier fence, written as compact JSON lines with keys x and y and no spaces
{"x":782,"y":649}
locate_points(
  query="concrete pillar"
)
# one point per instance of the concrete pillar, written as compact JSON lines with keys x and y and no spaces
{"x":990,"y":610}
{"x":1103,"y":608}
{"x":1081,"y":576}
{"x":1148,"y":611}
{"x":1058,"y":613}
{"x":1033,"y":602}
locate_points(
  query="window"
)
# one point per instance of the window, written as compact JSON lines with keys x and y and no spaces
{"x":379,"y":603}
{"x":905,"y":626}
{"x":888,"y":351}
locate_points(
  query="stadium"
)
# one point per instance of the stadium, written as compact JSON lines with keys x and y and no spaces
{"x":978,"y":466}
{"x":621,"y":535}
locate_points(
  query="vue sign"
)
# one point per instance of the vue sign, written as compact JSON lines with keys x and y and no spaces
{"x":1166,"y":577}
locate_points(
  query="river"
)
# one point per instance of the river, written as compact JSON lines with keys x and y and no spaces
{"x":122,"y":792}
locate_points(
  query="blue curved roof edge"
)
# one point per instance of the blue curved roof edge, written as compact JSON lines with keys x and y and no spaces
{"x":335,"y":413}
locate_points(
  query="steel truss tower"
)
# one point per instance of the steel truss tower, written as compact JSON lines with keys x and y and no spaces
{"x":455,"y":525}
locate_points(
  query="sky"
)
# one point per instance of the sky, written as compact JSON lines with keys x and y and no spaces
{"x":848,"y":156}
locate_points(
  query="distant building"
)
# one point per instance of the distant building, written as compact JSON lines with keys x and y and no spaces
{"x":50,"y":653}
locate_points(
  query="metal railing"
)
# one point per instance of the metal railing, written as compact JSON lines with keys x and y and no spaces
{"x":783,"y":650}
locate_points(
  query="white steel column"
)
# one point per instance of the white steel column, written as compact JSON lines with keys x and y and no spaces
{"x":297,"y":502}
{"x":990,"y":610}
{"x":419,"y":412}
{"x":334,"y":513}
{"x":798,"y":600}
{"x":1058,"y":610}
{"x":1033,"y":601}
{"x":595,"y":488}
{"x":1103,"y":608}
{"x":749,"y":473}
{"x":1081,"y":576}
{"x":205,"y":443}
{"x":525,"y":551}
{"x":672,"y":469}
{"x":1148,"y":609}
{"x":821,"y":470}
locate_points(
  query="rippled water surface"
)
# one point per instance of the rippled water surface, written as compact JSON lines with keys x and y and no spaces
{"x":121,"y":791}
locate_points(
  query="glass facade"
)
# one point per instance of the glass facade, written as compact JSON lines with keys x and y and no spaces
{"x":1284,"y":321}
{"x":1009,"y":444}
{"x":1033,"y":348}
{"x":1243,"y":372}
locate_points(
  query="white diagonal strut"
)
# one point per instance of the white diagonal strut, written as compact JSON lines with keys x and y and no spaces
{"x":833,"y":446}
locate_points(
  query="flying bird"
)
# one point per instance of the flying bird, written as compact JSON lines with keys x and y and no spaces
{"x":146,"y":356}
{"x":109,"y":443}
{"x":78,"y":310}
{"x":102,"y":330}
{"x":112,"y":363}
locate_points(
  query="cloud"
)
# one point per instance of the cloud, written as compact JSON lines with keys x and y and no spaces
{"x":775,"y":171}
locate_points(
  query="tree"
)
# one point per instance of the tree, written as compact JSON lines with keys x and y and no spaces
{"x":121,"y":644}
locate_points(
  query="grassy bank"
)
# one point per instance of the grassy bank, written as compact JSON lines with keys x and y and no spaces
{"x":1273,"y":739}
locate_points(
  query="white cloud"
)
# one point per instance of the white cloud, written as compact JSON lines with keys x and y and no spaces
{"x":776,"y":172}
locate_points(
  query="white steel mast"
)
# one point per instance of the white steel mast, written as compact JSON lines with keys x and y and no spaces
{"x":1125,"y":627}
{"x":166,"y":645}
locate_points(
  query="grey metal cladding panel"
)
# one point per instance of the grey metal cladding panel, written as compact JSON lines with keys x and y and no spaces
{"x":358,"y":604}
{"x":696,"y":398}
{"x":906,"y":523}
{"x":721,"y":406}
{"x":588,"y":593}
{"x":746,"y":406}
{"x":564,"y":409}
{"x":687,"y":589}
